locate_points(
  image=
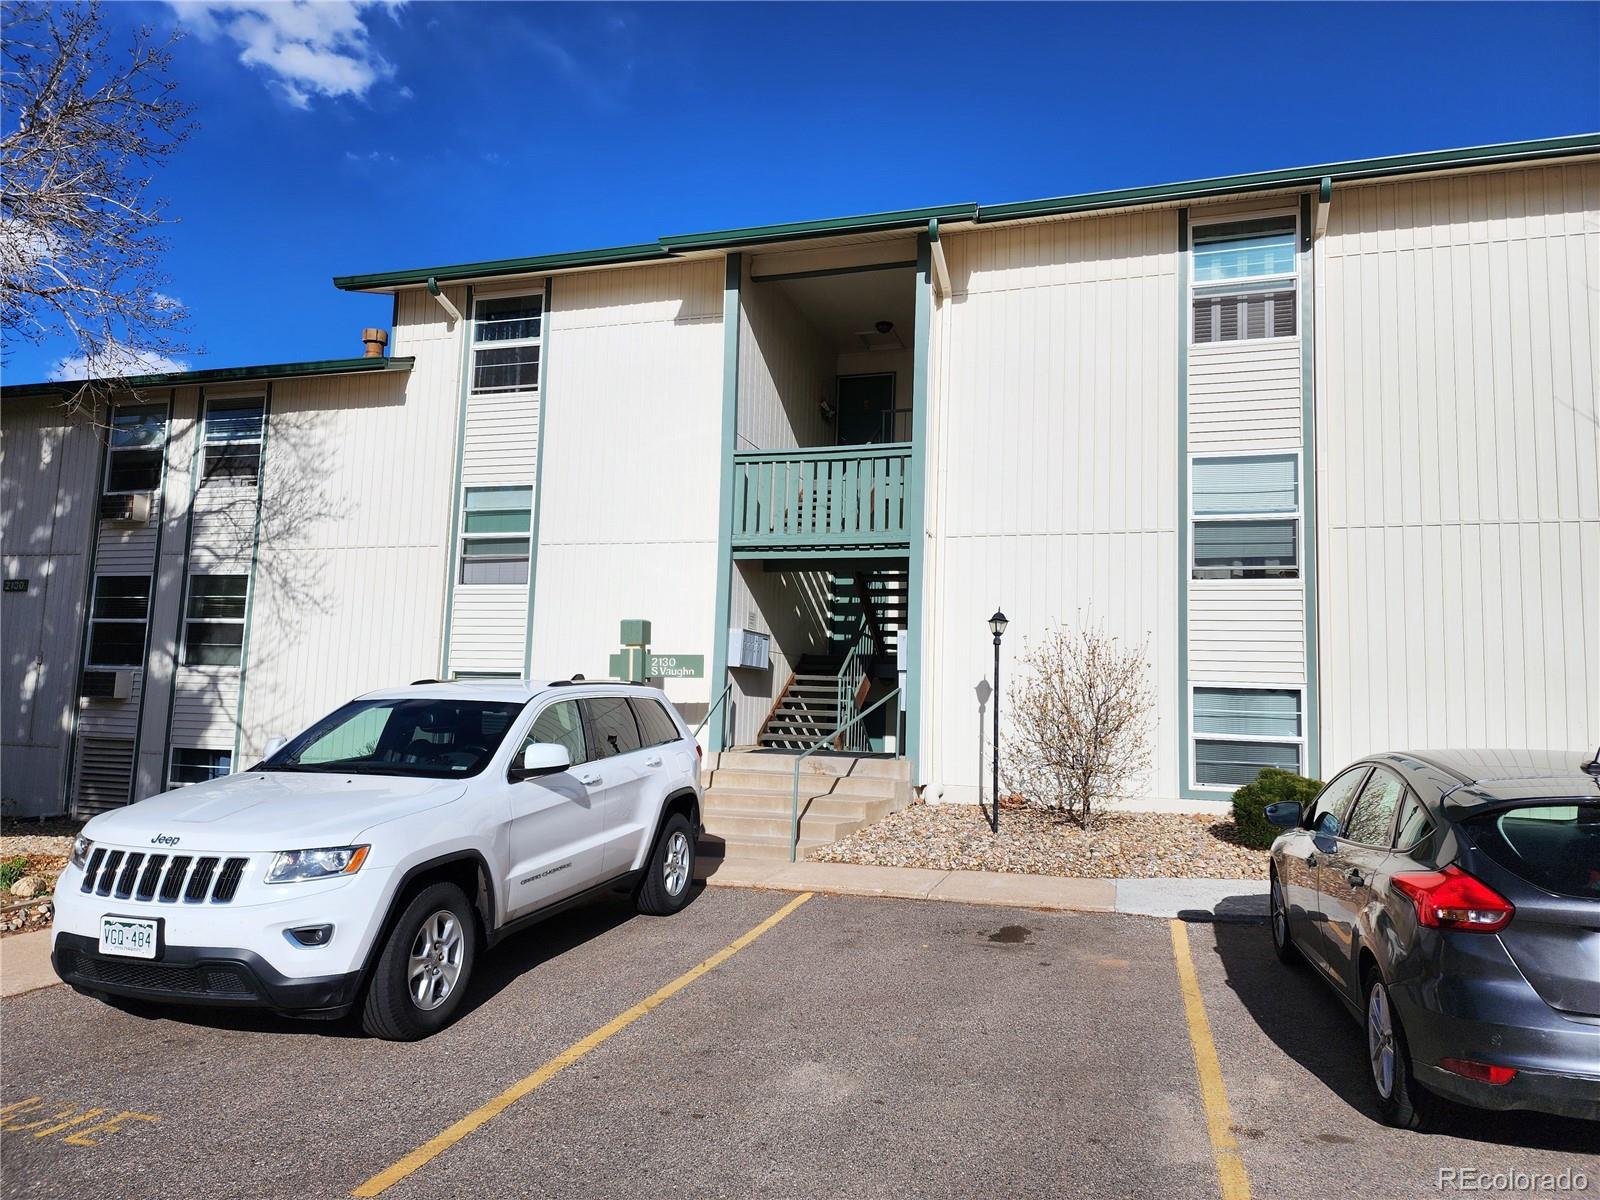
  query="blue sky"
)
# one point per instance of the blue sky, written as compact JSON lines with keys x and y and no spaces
{"x":355,"y":137}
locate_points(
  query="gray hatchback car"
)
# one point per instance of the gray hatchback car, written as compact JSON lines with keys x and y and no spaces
{"x":1452,"y":899}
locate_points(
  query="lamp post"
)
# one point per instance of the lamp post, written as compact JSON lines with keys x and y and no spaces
{"x":997,"y":626}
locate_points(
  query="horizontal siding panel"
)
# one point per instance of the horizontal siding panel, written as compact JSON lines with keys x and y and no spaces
{"x":112,"y":718}
{"x":205,"y":707}
{"x":222,"y":526}
{"x":1252,"y":631}
{"x":488,"y":628}
{"x":1245,"y":397}
{"x":502,"y":439}
{"x":128,"y":549}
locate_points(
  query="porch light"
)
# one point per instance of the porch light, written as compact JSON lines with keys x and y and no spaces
{"x":997,"y":625}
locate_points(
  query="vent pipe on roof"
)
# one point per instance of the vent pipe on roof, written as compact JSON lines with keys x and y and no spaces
{"x":374,"y":340}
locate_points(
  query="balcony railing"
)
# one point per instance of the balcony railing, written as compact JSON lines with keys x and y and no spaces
{"x":820,"y":498}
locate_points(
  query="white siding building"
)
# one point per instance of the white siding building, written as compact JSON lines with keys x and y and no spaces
{"x":1322,"y":441}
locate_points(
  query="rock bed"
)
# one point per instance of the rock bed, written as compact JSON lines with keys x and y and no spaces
{"x":26,"y":906}
{"x":1121,"y":845}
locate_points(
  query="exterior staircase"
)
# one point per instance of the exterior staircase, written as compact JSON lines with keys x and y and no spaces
{"x":748,"y":798}
{"x":808,"y":710}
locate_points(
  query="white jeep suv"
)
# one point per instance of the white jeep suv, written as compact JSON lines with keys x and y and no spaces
{"x":371,"y":859}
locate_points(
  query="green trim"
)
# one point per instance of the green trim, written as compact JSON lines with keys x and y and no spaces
{"x":1185,"y":736}
{"x":824,"y":552}
{"x":299,"y":370}
{"x":188,"y":553}
{"x":856,"y":450}
{"x":1311,"y":717}
{"x":538,"y":477}
{"x":149,"y":622}
{"x":250,"y":584}
{"x":916,"y":491}
{"x":451,"y":566}
{"x":906,"y":218}
{"x":1341,"y":172}
{"x":537,"y":263}
{"x":75,"y":704}
{"x":825,"y":272}
{"x":732,"y":319}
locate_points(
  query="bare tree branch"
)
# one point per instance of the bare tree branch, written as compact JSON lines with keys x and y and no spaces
{"x":84,"y":127}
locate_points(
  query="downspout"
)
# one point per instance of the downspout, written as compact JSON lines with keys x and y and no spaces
{"x":941,"y":269}
{"x":450,"y":309}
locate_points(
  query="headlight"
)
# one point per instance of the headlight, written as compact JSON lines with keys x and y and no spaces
{"x":291,"y":865}
{"x":81,"y":848}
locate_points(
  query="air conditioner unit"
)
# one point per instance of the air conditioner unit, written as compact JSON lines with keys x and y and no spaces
{"x":106,"y":685}
{"x":132,"y":508}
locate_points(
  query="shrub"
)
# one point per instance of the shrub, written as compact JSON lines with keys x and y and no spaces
{"x":11,"y":870}
{"x":1079,"y":718}
{"x":1270,"y":787}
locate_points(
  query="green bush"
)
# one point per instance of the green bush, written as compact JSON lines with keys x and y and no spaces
{"x":11,"y":870}
{"x":1270,"y":787}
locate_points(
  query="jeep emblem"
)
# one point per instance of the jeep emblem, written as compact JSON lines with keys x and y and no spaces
{"x":162,"y":839}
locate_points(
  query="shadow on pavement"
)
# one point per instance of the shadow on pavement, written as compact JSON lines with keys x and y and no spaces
{"x":494,"y":971}
{"x":1303,"y":1017}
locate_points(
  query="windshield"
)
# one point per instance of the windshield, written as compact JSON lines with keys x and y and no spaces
{"x":429,"y":738}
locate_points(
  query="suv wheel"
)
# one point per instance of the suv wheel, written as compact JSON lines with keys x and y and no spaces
{"x":426,"y":965}
{"x":1402,"y":1101}
{"x":668,"y":878}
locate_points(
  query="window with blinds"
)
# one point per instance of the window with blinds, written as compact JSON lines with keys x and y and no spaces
{"x":496,"y":523}
{"x":1240,"y":731}
{"x":1244,"y":284}
{"x":1246,"y":512}
{"x":506,"y":336}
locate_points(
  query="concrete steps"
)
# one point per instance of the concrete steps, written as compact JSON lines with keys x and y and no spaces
{"x":749,"y":799}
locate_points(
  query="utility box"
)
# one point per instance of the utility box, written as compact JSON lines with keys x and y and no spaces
{"x":747,"y":648}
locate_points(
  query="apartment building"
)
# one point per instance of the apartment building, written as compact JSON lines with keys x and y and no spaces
{"x":1322,"y":441}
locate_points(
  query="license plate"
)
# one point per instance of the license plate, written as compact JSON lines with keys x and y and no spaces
{"x":128,"y":936}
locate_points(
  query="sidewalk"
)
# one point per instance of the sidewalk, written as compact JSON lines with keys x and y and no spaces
{"x":25,"y":963}
{"x":1192,"y":899}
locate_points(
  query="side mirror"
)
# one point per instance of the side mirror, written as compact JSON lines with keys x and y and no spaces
{"x":1285,"y":814}
{"x":274,"y":743}
{"x":541,"y":758}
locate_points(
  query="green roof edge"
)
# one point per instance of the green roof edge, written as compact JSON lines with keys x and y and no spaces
{"x":325,"y":366}
{"x":912,"y":218}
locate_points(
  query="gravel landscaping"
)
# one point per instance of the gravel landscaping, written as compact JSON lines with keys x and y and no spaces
{"x":1122,"y":845}
{"x":43,"y":846}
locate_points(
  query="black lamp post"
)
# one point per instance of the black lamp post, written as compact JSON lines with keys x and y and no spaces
{"x":997,"y":626}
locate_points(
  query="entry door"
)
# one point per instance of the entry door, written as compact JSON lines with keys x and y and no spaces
{"x":866,"y":409}
{"x":556,"y":841}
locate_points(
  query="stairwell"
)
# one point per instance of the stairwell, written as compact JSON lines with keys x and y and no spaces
{"x":748,"y":800}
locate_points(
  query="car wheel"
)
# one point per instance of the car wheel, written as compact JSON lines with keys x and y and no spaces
{"x":1402,"y":1101}
{"x":425,"y":967}
{"x":668,"y":878}
{"x":1278,"y":918}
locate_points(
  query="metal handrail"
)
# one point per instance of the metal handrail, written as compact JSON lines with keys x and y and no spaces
{"x":704,"y":720}
{"x":852,"y":673}
{"x":794,"y":805}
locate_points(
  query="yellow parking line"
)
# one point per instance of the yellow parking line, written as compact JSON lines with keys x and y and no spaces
{"x":474,"y":1120}
{"x":1213,"y":1095}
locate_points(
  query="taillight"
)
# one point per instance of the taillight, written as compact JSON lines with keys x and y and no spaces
{"x":1481,"y":1071}
{"x":1452,"y":899}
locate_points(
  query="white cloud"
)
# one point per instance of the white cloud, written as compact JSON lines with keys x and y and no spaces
{"x":309,"y":49}
{"x":114,"y":360}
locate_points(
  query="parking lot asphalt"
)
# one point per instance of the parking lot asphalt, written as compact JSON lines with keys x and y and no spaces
{"x":856,"y":1047}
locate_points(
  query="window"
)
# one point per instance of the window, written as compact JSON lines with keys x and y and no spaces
{"x":197,"y":766}
{"x":1246,"y":517}
{"x":495,"y":528}
{"x":136,"y":447}
{"x":559,"y":724}
{"x":117,"y":619}
{"x":424,"y":738}
{"x":233,"y":440}
{"x":213,"y":620}
{"x":1333,"y":803}
{"x":611,"y":726}
{"x":655,"y":726}
{"x":505,"y":344}
{"x":1238,"y":731}
{"x":1244,"y":279}
{"x":1552,"y":846}
{"x":1413,"y":824}
{"x":1374,"y":815}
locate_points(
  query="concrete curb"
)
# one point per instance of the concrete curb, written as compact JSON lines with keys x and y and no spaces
{"x":1190,"y":899}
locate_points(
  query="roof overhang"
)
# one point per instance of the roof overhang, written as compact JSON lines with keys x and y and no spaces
{"x":684,"y":245}
{"x":214,"y":375}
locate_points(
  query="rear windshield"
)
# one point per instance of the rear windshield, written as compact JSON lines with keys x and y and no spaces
{"x":1553,"y":846}
{"x":428,"y":738}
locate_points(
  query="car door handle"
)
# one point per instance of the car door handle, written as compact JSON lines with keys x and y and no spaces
{"x":589,"y":780}
{"x":1355,"y":878}
{"x":653,"y":762}
{"x":1311,"y":860}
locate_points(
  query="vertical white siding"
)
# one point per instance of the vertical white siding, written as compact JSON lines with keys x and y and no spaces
{"x":49,"y":488}
{"x":792,"y":608}
{"x":1459,"y":450}
{"x":631,"y":471}
{"x":785,"y":371}
{"x":1051,"y":485}
{"x":349,"y":580}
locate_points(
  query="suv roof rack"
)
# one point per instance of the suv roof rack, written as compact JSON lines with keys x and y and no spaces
{"x":420,"y":682}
